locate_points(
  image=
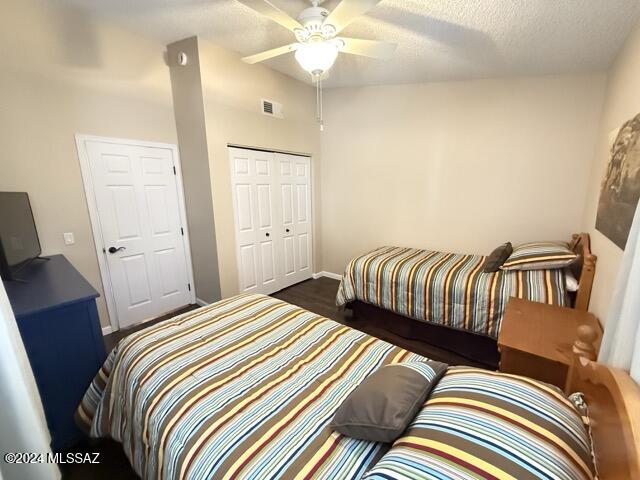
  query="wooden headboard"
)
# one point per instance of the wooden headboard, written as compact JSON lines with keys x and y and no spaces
{"x":585,"y":269}
{"x":613,"y":401}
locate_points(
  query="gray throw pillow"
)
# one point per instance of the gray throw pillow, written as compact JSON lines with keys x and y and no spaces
{"x":384,"y":404}
{"x":495,"y":260}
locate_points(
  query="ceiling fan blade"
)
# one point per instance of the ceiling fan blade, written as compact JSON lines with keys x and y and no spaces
{"x":266,"y":8}
{"x":368,"y":48}
{"x":274,"y":52}
{"x":347,"y":11}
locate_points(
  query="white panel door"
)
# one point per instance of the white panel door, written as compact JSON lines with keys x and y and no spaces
{"x":272,"y":209}
{"x":257,"y":213}
{"x":295,"y":188}
{"x":137,"y":202}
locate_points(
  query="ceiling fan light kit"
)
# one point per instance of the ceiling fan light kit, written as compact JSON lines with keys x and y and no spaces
{"x":317,"y":57}
{"x":317,"y":46}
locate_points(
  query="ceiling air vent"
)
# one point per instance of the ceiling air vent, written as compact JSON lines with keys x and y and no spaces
{"x":271,"y":108}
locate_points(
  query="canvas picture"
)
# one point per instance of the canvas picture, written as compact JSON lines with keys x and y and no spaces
{"x":621,"y":184}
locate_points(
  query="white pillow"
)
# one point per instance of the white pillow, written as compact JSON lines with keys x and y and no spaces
{"x":571,"y":281}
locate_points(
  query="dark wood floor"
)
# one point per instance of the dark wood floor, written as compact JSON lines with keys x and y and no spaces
{"x":317,"y":296}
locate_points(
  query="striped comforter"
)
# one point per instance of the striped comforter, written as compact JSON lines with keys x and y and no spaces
{"x":480,"y":425}
{"x":444,"y":288}
{"x":244,"y":388}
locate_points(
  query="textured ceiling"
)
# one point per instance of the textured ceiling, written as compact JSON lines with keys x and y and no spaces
{"x":437,"y":39}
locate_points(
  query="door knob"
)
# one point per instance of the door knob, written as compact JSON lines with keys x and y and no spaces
{"x":267,"y":234}
{"x":114,"y":249}
{"x":287,"y":230}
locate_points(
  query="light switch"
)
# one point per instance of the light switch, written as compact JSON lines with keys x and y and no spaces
{"x":68,"y":238}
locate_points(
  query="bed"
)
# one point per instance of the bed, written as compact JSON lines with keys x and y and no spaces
{"x":246,"y":388}
{"x":445,"y":299}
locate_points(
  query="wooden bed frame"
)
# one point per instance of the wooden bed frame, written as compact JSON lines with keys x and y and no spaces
{"x":445,"y":343}
{"x":584,"y":268}
{"x":613,"y":402}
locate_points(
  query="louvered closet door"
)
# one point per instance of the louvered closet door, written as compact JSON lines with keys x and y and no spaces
{"x":272,"y":210}
{"x":257,"y":216}
{"x":295,"y":190}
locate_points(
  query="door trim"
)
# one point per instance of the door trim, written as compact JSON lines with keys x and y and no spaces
{"x":96,"y":229}
{"x":268,"y":150}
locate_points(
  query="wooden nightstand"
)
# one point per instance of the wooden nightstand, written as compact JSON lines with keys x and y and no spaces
{"x":536,"y":339}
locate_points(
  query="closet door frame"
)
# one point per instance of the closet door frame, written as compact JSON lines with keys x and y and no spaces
{"x":276,"y":235}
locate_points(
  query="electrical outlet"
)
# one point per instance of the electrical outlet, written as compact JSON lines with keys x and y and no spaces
{"x":68,"y":238}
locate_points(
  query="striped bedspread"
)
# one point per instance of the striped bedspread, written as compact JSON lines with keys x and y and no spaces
{"x":444,"y":288}
{"x":244,"y":388}
{"x":480,"y":425}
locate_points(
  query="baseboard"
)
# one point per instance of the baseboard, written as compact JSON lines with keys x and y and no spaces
{"x":335,"y":276}
{"x":200,"y":302}
{"x":107,"y":330}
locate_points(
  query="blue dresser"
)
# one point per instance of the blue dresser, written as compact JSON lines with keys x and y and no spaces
{"x":56,"y":313}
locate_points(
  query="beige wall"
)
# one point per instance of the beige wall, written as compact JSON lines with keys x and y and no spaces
{"x":62,"y":73}
{"x":458,"y":166}
{"x":232,"y":93}
{"x":453,"y":166}
{"x":622,"y":102}
{"x":188,"y":106}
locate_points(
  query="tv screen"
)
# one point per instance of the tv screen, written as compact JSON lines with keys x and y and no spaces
{"x":18,"y":236}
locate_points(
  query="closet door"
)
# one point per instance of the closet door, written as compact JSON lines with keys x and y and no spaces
{"x":257,"y":220}
{"x":272,"y":210}
{"x":295,"y":194}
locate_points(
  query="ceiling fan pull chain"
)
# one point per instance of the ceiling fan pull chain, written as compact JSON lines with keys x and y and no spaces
{"x":318,"y":81}
{"x":321,"y":111}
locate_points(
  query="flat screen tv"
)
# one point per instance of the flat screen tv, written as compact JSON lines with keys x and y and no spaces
{"x":19,"y":243}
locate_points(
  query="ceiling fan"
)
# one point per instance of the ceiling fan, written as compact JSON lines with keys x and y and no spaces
{"x":317,"y":44}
